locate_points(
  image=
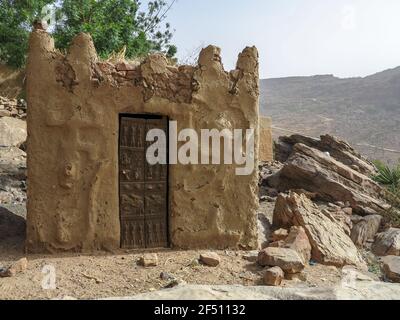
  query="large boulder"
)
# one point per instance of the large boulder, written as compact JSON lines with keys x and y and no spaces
{"x":337,"y":149}
{"x":341,"y":218}
{"x":12,"y":132}
{"x":329,"y":242}
{"x":391,"y":268}
{"x":211,"y":259}
{"x":365,"y":229}
{"x":315,"y":171}
{"x":387,"y":243}
{"x":287,"y":259}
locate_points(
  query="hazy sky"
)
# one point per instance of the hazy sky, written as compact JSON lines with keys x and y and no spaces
{"x":294,"y":37}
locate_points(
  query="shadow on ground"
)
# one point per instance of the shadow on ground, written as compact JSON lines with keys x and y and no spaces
{"x":12,"y":233}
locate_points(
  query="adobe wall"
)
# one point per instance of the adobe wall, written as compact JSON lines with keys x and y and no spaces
{"x":74,"y":106}
{"x":266,"y":142}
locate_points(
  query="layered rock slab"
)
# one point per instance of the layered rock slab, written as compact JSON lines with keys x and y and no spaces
{"x":329,"y":242}
{"x":315,"y":171}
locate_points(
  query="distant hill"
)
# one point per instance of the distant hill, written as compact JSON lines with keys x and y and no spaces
{"x":363,"y":111}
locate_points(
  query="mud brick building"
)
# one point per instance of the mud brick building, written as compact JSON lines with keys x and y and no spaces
{"x":89,"y":186}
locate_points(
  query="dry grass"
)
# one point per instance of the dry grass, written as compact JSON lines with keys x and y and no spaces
{"x":120,"y":56}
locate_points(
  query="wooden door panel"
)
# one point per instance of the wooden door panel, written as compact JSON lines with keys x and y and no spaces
{"x":131,"y":177}
{"x":131,"y":165}
{"x":156,"y":177}
{"x":143,"y":187}
{"x":132,"y":132}
{"x":156,"y":233}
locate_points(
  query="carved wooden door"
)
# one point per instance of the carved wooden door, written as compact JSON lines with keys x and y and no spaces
{"x":143,"y":187}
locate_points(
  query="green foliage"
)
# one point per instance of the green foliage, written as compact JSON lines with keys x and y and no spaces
{"x":388,"y":176}
{"x":16,"y":18}
{"x":113,"y":24}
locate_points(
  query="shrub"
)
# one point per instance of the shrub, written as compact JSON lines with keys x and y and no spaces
{"x":390,"y":178}
{"x":387,"y":176}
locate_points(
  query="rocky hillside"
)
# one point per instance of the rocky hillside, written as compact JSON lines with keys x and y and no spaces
{"x":363,"y":111}
{"x":327,"y":209}
{"x":12,"y":154}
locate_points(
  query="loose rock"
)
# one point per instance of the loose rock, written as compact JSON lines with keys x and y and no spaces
{"x":298,"y":241}
{"x":149,"y":260}
{"x":278,"y":235}
{"x":287,"y":259}
{"x":18,"y":267}
{"x":166,"y":276}
{"x":274,"y":276}
{"x":210,"y":259}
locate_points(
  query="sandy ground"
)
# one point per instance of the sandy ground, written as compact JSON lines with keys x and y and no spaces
{"x":88,"y":277}
{"x":118,"y":274}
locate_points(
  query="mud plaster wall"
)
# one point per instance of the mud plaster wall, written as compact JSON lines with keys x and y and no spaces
{"x":266,"y":142}
{"x":74,"y":106}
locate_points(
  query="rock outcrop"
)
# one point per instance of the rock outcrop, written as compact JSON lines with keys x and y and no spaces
{"x":317,"y":172}
{"x":387,"y":243}
{"x":337,"y":149}
{"x":330,"y":244}
{"x":391,"y":268}
{"x":365,"y":229}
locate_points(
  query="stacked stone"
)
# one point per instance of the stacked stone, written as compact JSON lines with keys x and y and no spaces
{"x":13,"y":108}
{"x":154,"y":75}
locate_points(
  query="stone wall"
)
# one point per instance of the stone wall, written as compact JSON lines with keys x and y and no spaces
{"x":74,"y":103}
